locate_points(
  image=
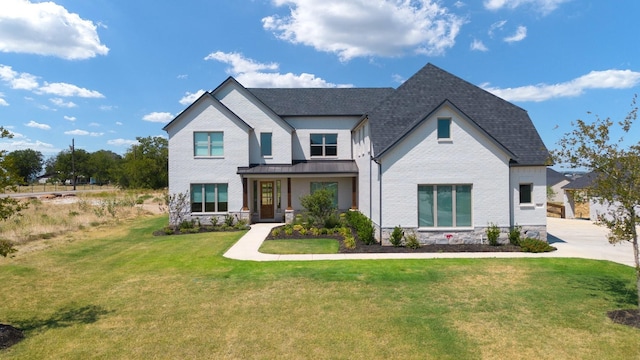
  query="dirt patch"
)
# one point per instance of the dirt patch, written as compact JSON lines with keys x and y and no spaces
{"x":629,"y":317}
{"x":9,"y":336}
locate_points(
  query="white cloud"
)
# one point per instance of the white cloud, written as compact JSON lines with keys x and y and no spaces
{"x":94,"y":124}
{"x":33,"y":124}
{"x":26,"y":81}
{"x":183,"y":76}
{"x":64,"y":89}
{"x":478,"y":45}
{"x":107,"y":107}
{"x":240,"y":64}
{"x":543,"y":6}
{"x":44,"y":148}
{"x":159,"y":117}
{"x":122,"y":142}
{"x":79,"y":132}
{"x":16,"y":80}
{"x":287,"y":80}
{"x":47,"y":28}
{"x":249,"y":73}
{"x":118,"y":123}
{"x":360,"y":28}
{"x":3,"y":102}
{"x":607,"y":79}
{"x":189,"y":98}
{"x":70,"y":118}
{"x":17,"y":136}
{"x":398,"y":78}
{"x":520,"y":34}
{"x":498,"y":25}
{"x":60,"y":103}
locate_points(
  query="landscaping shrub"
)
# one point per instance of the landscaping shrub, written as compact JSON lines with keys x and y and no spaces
{"x":6,"y":248}
{"x":349,"y":242}
{"x":514,"y":235}
{"x":362,"y":225}
{"x":318,"y":205}
{"x":535,"y":246}
{"x":229,"y":220}
{"x":396,"y":236}
{"x":288,"y":230}
{"x":332,"y":221}
{"x":493,"y":233}
{"x":411,"y":241}
{"x":275,"y":232}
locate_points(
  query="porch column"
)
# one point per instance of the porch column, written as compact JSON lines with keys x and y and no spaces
{"x":354,"y":191}
{"x":289,"y":207}
{"x":245,"y":195}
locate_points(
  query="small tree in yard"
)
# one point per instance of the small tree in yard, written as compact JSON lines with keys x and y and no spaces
{"x":319,"y":205}
{"x":8,"y":205}
{"x":617,"y":175}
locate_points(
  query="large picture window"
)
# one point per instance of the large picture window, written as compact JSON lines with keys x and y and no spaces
{"x":208,"y":144}
{"x":324,"y":145}
{"x":444,"y":205}
{"x":207,"y":198}
{"x":331,"y":186}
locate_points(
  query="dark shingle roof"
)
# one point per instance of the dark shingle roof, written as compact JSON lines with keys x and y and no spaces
{"x":321,"y":101}
{"x":582,"y":182}
{"x":554,"y":177}
{"x":508,"y":124}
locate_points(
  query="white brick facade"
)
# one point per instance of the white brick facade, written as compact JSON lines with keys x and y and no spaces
{"x":386,"y":184}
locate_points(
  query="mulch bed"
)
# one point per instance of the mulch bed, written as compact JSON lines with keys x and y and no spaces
{"x":9,"y":336}
{"x":377,"y":248}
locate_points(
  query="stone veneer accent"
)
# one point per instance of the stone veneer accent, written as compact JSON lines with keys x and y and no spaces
{"x":475,"y":236}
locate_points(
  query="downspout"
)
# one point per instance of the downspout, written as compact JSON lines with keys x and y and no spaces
{"x":378,"y":162}
{"x":512,"y":210}
{"x":380,"y":200}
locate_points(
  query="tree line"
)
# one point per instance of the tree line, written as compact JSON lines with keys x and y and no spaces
{"x":143,"y":166}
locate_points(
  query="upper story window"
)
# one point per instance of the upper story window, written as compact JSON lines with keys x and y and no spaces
{"x":324,"y":144}
{"x":266,"y":144}
{"x":208,"y":143}
{"x":444,"y":129}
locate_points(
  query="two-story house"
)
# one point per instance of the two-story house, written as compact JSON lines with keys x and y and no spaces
{"x":438,"y":156}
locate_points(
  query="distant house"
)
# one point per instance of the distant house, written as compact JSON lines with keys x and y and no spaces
{"x":556,"y":181}
{"x":576,"y":205}
{"x":580,"y":207}
{"x":438,"y":156}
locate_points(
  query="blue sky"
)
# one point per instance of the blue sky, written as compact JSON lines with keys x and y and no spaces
{"x":104,"y":72}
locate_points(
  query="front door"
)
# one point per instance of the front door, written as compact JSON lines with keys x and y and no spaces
{"x":266,"y":200}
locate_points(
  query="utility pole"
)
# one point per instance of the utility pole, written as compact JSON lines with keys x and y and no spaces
{"x":73,"y":164}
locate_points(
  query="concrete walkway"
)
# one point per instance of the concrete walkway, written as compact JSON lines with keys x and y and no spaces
{"x":573,"y":238}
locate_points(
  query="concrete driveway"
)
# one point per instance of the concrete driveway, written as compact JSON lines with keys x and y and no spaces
{"x":573,"y":238}
{"x":583,"y":239}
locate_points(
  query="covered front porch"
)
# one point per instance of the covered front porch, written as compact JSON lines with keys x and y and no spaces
{"x":271,"y":193}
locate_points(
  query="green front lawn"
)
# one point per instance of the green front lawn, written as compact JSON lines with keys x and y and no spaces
{"x":300,"y":246}
{"x":126,"y":294}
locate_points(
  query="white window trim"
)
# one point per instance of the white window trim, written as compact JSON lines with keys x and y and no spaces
{"x":208,"y":145}
{"x":450,"y":138}
{"x":454,"y":209}
{"x":324,"y":146}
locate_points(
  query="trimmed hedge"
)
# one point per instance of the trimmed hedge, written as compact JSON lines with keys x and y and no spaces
{"x":362,"y":225}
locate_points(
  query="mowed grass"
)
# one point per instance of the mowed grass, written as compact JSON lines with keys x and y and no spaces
{"x":129,"y":295}
{"x":300,"y":246}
